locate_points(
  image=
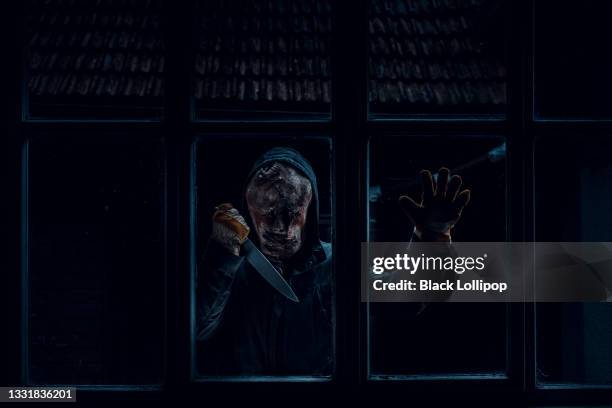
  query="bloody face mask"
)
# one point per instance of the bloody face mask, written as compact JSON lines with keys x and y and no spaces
{"x":278,"y":197}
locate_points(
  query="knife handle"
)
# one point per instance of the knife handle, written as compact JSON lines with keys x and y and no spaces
{"x":232,"y":220}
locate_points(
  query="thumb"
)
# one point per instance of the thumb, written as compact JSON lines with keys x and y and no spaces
{"x":410,"y":207}
{"x":226,"y":215}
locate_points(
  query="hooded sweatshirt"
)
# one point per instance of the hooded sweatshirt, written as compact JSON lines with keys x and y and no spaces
{"x":244,"y":326}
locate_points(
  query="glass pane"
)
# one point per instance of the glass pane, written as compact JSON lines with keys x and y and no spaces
{"x":96,"y":262}
{"x":260,"y":58}
{"x":572,"y":64}
{"x":94,"y":59}
{"x":236,"y":307}
{"x":437,"y":338}
{"x":572,"y":203}
{"x":437,"y":57}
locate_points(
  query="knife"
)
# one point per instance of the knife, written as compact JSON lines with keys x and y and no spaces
{"x":267,"y":270}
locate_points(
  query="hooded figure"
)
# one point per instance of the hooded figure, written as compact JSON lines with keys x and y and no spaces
{"x":245,"y":326}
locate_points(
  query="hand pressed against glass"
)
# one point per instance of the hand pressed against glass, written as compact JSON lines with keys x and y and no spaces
{"x":440,"y":207}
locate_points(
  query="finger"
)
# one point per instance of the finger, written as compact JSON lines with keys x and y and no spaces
{"x":410,"y":207}
{"x":442,"y":182}
{"x":241,"y":220}
{"x":428,"y":186}
{"x":463,"y":198}
{"x":224,"y":207}
{"x":234,"y":213}
{"x":239,"y":228}
{"x":453,"y":187}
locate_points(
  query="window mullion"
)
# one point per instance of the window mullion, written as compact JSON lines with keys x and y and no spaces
{"x":177,"y":23}
{"x":349,"y":110}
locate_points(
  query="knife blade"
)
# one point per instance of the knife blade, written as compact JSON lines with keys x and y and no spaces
{"x":267,"y":270}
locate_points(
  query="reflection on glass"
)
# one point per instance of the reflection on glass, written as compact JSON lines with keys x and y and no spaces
{"x":96,"y":245}
{"x":437,"y":57}
{"x":573,"y":198}
{"x":437,"y":338}
{"x":89,"y":59}
{"x":572,"y":69}
{"x":263,"y":208}
{"x":263,"y":58}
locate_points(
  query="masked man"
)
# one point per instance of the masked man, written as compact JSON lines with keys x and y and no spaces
{"x":244,"y":325}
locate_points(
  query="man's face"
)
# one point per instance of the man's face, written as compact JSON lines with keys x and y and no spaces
{"x":278,"y":197}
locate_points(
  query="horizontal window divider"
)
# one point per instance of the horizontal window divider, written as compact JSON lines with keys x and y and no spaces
{"x":245,"y":127}
{"x":569,"y":127}
{"x":493,"y":383}
{"x":573,"y":386}
{"x":441,"y":377}
{"x":97,"y":125}
{"x":472,"y":133}
{"x":435,"y":118}
{"x":265,"y":379}
{"x":433,"y":127}
{"x":579,"y":395}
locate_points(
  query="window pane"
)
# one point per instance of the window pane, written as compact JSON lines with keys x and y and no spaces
{"x":438,"y":338}
{"x":572,"y":64}
{"x":236,"y":309}
{"x":573,"y":201}
{"x":437,"y":57}
{"x":96,"y":262}
{"x":94,"y":59}
{"x":259,"y":58}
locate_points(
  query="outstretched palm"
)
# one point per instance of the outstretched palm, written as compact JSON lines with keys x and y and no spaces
{"x":441,"y":204}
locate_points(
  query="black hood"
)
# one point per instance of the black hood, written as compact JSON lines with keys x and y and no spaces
{"x":293,"y":158}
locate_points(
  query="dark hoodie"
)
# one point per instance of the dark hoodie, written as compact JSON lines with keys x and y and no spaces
{"x":244,"y":326}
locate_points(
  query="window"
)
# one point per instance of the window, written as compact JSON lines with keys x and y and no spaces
{"x":571,"y":80}
{"x":95,"y":269}
{"x":396,"y":329}
{"x":293,"y":339}
{"x":576,"y":335}
{"x":437,"y":57}
{"x":93,"y":60}
{"x":258,"y":59}
{"x":571,"y":205}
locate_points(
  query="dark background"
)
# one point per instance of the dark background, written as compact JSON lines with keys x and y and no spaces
{"x":98,"y":122}
{"x":96,"y":269}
